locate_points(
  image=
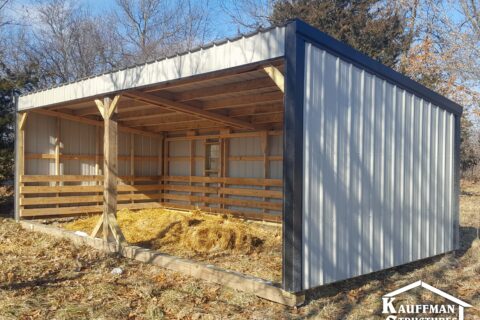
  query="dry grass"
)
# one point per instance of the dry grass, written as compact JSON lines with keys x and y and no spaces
{"x":248,"y":247}
{"x":44,"y":278}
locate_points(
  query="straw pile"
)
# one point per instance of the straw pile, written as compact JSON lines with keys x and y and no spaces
{"x":190,"y":233}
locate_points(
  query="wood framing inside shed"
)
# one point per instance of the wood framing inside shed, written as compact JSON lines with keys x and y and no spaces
{"x":215,"y":143}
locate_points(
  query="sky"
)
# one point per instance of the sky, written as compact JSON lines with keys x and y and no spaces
{"x":222,"y":28}
{"x":225,"y":28}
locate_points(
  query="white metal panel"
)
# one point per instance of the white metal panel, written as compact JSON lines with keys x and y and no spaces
{"x":180,"y":148}
{"x":259,"y":47}
{"x":147,"y":147}
{"x":378,"y":173}
{"x":76,"y":139}
{"x":40,"y":143}
{"x":81,"y":139}
{"x":250,"y":146}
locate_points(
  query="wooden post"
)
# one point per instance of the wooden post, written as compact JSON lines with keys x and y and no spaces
{"x":161,"y":141}
{"x":97,"y":155}
{"x":132,"y":162}
{"x":57,"y":152}
{"x":266,"y":163}
{"x":166,"y":164}
{"x":111,"y":230}
{"x":224,"y":154}
{"x":192,"y":156}
{"x":110,"y":155}
{"x":22,"y":120}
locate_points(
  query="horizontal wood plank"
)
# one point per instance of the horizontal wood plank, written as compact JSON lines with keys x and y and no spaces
{"x":85,"y":199}
{"x":84,"y":189}
{"x":231,"y":181}
{"x":250,"y":215}
{"x":86,"y":157}
{"x":227,"y":201}
{"x":81,"y":178}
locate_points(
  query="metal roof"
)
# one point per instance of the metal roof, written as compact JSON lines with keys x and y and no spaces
{"x":263,"y":44}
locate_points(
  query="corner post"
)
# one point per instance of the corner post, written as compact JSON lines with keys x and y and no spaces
{"x":293,"y":159}
{"x":456,"y":182}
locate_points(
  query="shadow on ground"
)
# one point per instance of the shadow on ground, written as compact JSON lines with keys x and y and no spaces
{"x":352,"y":292}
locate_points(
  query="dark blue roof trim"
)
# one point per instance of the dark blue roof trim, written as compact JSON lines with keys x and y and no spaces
{"x":344,"y":51}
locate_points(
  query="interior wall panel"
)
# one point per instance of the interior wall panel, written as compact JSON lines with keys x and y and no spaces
{"x":40,"y":143}
{"x":81,"y":139}
{"x":378,"y":173}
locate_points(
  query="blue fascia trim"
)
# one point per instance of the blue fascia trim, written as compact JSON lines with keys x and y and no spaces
{"x":344,"y":51}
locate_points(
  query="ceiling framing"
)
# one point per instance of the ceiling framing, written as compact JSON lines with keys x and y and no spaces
{"x":242,"y":99}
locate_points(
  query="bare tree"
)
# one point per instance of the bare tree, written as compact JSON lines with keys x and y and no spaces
{"x":4,"y":21}
{"x":67,"y":42}
{"x":151,"y":28}
{"x":445,"y":54}
{"x":249,"y":14}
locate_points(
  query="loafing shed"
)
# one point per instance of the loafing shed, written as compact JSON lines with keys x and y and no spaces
{"x":357,"y":162}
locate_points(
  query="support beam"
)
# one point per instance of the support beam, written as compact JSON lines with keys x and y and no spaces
{"x":132,"y":160}
{"x":235,"y":87}
{"x":110,"y":229}
{"x":91,"y":122}
{"x":234,"y":102}
{"x":266,"y":161}
{"x":187,"y":109}
{"x":125,"y":109}
{"x":21,"y":121}
{"x":276,"y":76}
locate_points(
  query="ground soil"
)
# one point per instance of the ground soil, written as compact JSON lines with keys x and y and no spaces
{"x":45,"y":278}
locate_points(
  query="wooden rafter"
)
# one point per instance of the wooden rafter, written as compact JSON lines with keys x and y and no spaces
{"x":92,"y":122}
{"x":217,"y":75}
{"x":233,"y":102}
{"x":149,"y":114}
{"x":170,"y":119}
{"x":229,"y":88}
{"x":124,"y":109}
{"x":187,"y":109}
{"x":273,"y":107}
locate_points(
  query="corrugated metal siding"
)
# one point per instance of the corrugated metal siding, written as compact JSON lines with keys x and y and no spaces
{"x":243,"y":168}
{"x":378,"y":168}
{"x":76,"y":139}
{"x":40,"y":143}
{"x":80,"y":139}
{"x":147,"y":147}
{"x":259,"y":47}
{"x":179,"y":149}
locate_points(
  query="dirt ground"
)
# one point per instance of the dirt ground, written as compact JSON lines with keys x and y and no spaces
{"x":45,"y":278}
{"x":253,"y":248}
